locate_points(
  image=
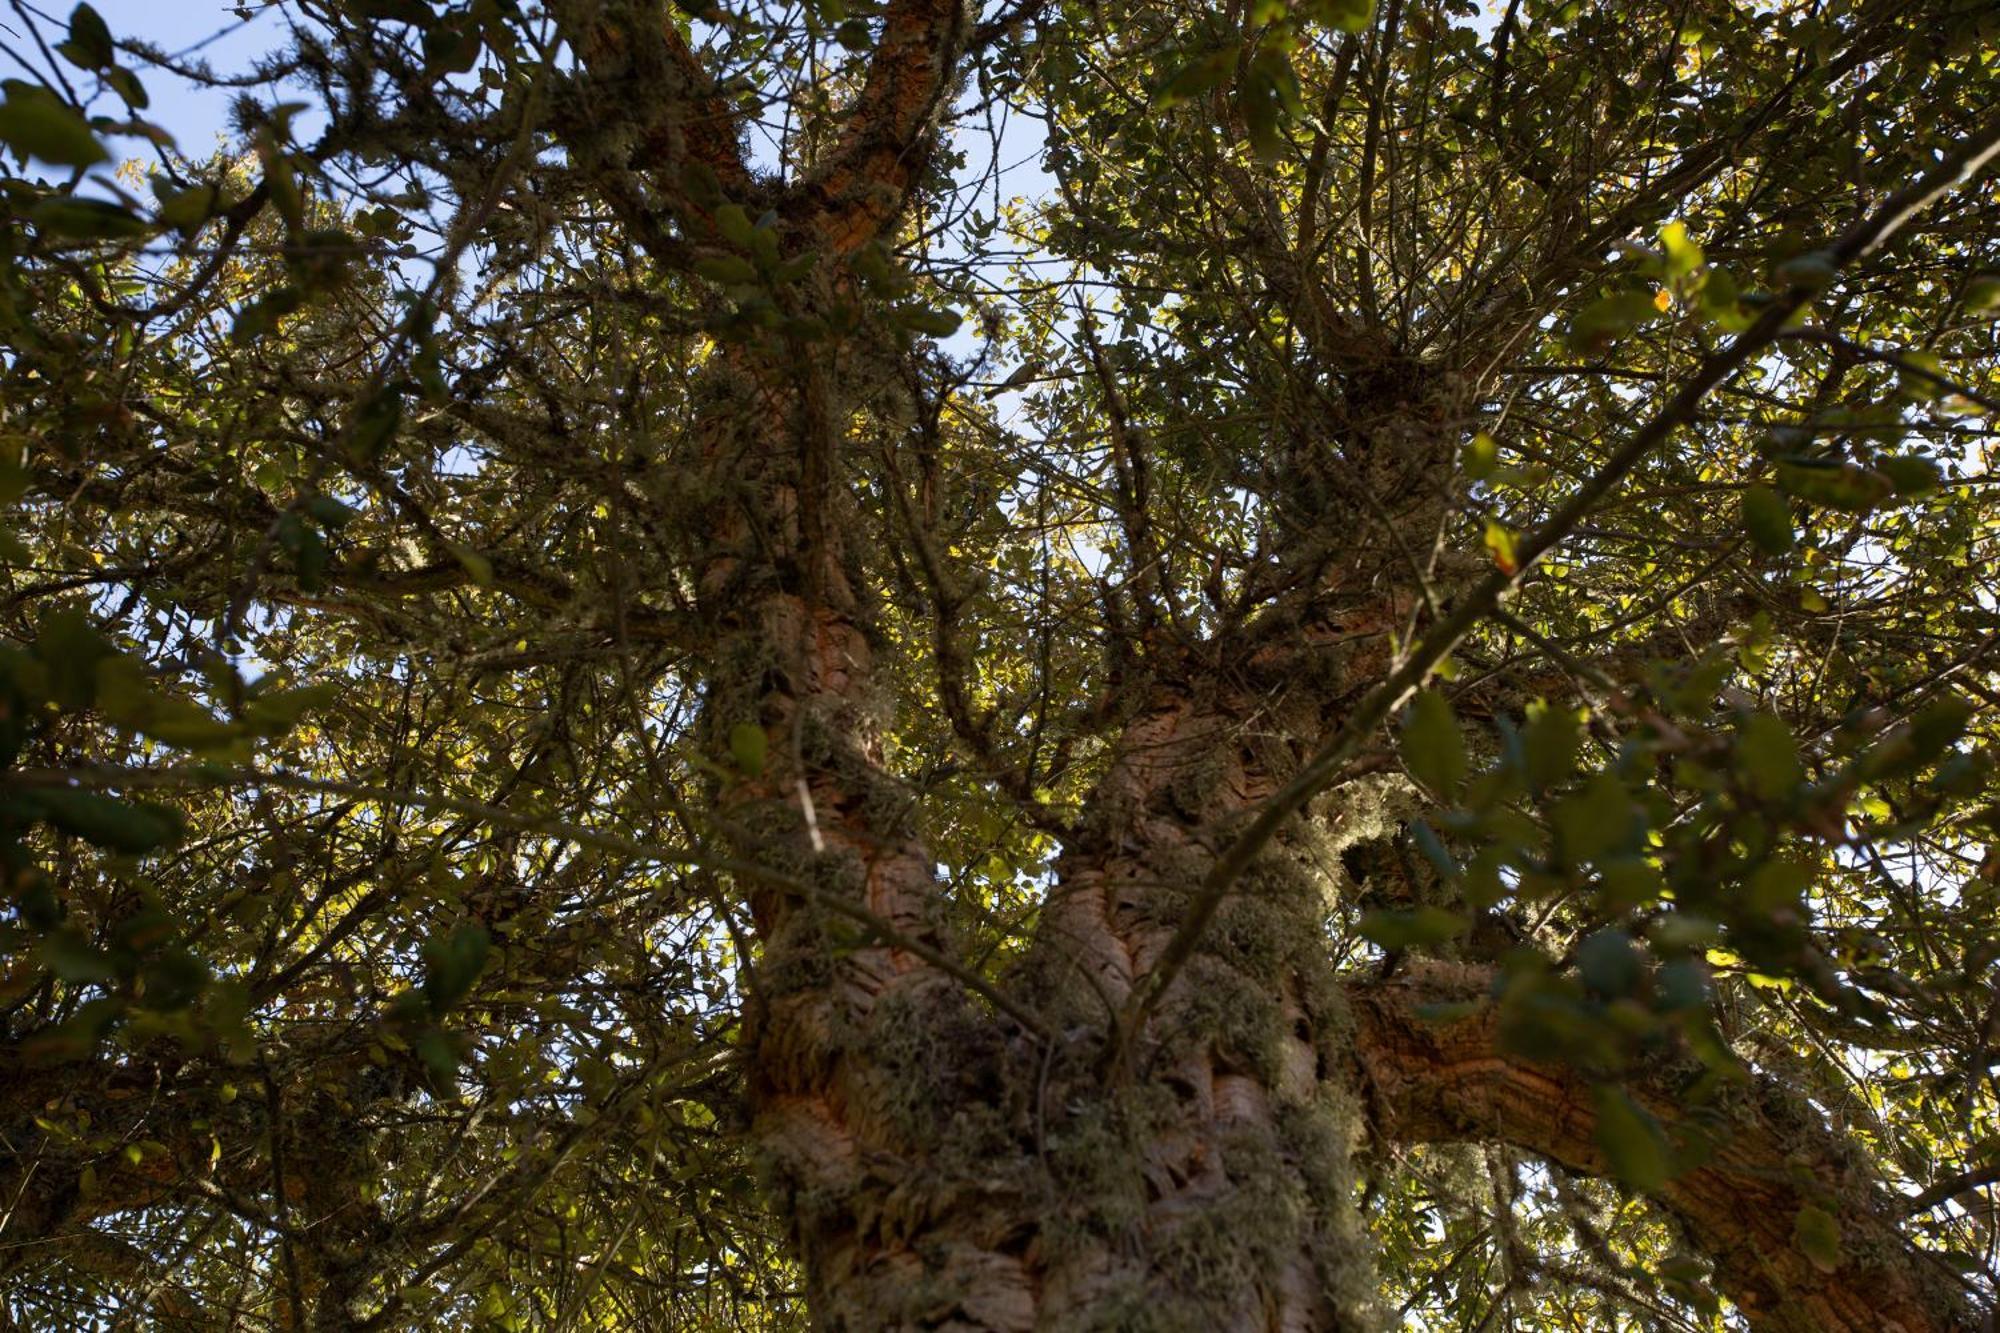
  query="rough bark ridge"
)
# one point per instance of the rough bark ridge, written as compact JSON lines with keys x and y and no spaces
{"x":943,"y":1168}
{"x":947,"y":1167}
{"x":1766,"y":1154}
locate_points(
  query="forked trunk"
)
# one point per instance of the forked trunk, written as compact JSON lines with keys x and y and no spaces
{"x":952,"y":1155}
{"x":944,"y":1165}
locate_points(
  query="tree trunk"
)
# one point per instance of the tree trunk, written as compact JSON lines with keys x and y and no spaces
{"x":1055,"y":1154}
{"x":946,"y":1167}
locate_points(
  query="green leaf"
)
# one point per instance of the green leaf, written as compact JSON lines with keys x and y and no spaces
{"x":732,"y":223}
{"x":1433,"y":750}
{"x":1910,"y":474}
{"x":1810,"y":271}
{"x":1982,"y":294}
{"x":1610,"y":963}
{"x":89,"y":38}
{"x":1268,"y":98}
{"x":1605,"y":320}
{"x":280,"y":711}
{"x":1683,"y":985}
{"x":35,"y":123}
{"x":1718,"y":299}
{"x":74,"y":650}
{"x":75,"y":959}
{"x":442,"y":1054}
{"x":473,"y":562}
{"x":1817,"y":1234}
{"x":1418,"y":928}
{"x":749,"y":748}
{"x":126,"y":84}
{"x":1481,"y":457}
{"x":1775,"y":886}
{"x":1769,"y":755}
{"x":940,"y":323}
{"x":1596,"y":820}
{"x":798,"y":266}
{"x":1629,"y":882}
{"x":74,"y":219}
{"x":1683,"y":255}
{"x":261,"y":316}
{"x":1631,"y":1139}
{"x":1549,"y":745}
{"x":453,"y":963}
{"x":1197,"y":76}
{"x":451,"y":47}
{"x":729,"y":270}
{"x":1345,"y":15}
{"x":373,"y":427}
{"x":1503,"y":546}
{"x":1768,"y":519}
{"x":1433,"y":848}
{"x":329,"y":511}
{"x":1844,"y":486}
{"x":1938,"y":726}
{"x":186,"y":210}
{"x":132,"y":827}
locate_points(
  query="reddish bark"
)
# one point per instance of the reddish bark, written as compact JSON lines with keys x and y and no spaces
{"x":862,"y":185}
{"x":1452,"y":1080}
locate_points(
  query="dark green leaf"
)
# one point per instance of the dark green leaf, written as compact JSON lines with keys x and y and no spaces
{"x":1768,"y":520}
{"x":1609,"y":318}
{"x":453,"y":963}
{"x":1769,"y":755}
{"x":75,"y":959}
{"x":1631,"y":1139}
{"x":1549,"y":745}
{"x":1433,"y":750}
{"x":132,"y":827}
{"x":1843,"y":486}
{"x":939,"y":323}
{"x":1418,"y":928}
{"x":748,"y":747}
{"x":1910,"y":474}
{"x":1597,"y":819}
{"x":729,"y":270}
{"x":34,"y":123}
{"x":1196,"y":76}
{"x":69,"y":218}
{"x":1817,"y":1234}
{"x":90,"y":38}
{"x":1610,"y":963}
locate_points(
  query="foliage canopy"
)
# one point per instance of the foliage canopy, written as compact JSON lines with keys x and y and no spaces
{"x":1149,"y":667}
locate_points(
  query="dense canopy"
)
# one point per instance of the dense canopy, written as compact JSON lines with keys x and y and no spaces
{"x":864,"y":664}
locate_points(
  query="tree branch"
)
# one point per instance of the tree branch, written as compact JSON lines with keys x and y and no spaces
{"x":1450,"y":1079}
{"x":1375,"y":708}
{"x":861,"y":186}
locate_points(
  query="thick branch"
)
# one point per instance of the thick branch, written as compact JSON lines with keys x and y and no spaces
{"x":1450,"y":1079}
{"x":642,"y":72}
{"x":861,"y":186}
{"x":1856,"y":243}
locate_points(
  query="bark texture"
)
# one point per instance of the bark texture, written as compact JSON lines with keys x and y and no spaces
{"x":1765,"y":1154}
{"x":946,"y":1166}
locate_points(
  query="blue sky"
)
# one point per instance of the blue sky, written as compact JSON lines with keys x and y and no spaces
{"x":210,"y":29}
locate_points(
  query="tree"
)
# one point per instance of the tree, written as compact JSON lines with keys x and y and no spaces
{"x":638,"y":694}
